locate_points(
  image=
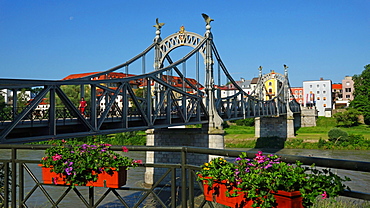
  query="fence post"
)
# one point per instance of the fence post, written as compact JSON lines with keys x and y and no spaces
{"x":183,"y":178}
{"x":14,"y":178}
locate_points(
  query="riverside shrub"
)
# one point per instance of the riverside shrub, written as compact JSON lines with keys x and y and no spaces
{"x":337,"y":135}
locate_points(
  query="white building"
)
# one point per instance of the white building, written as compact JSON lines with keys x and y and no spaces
{"x":4,"y":93}
{"x":318,"y":94}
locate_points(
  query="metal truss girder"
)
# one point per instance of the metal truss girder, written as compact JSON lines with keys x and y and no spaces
{"x":70,"y":106}
{"x":16,"y":120}
{"x":108,"y":106}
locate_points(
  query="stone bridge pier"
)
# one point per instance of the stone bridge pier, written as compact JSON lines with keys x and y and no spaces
{"x":180,"y":136}
{"x":283,"y":126}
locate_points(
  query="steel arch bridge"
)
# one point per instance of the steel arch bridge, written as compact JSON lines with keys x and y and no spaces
{"x":162,"y":101}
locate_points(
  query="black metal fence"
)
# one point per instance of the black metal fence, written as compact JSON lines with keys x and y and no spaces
{"x":21,"y":184}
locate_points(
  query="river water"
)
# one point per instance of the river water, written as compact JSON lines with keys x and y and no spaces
{"x":360,"y":181}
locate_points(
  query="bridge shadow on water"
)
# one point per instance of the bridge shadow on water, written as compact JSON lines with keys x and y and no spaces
{"x":269,"y":144}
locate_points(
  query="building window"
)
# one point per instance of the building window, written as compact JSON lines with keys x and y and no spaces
{"x":348,"y":89}
{"x":324,"y":92}
{"x":300,"y":91}
{"x":318,"y":98}
{"x":296,"y":91}
{"x":300,"y":96}
{"x":318,"y":86}
{"x":324,"y":98}
{"x":270,"y":83}
{"x":310,"y":86}
{"x":347,"y":83}
{"x":348,"y":96}
{"x":324,"y":105}
{"x":318,"y":92}
{"x":324,"y":85}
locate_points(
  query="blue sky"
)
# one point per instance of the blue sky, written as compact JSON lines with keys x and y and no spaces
{"x":50,"y":39}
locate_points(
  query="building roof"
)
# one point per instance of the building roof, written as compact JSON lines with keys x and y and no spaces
{"x":173,"y":80}
{"x":336,"y":86}
{"x":255,"y":80}
{"x":244,"y":84}
{"x":110,"y":75}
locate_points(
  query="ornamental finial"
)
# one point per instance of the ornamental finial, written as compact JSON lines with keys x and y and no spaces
{"x":260,"y":69}
{"x":158,"y":25}
{"x":158,"y":31}
{"x":207,"y":19}
{"x":286,"y":69}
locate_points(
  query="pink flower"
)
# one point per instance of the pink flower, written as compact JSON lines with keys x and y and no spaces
{"x":55,"y":181}
{"x":124,"y":149}
{"x":138,"y":161}
{"x":260,"y":158}
{"x":57,"y":157}
{"x":324,"y":195}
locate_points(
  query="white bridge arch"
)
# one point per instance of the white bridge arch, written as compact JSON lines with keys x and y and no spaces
{"x":181,"y":38}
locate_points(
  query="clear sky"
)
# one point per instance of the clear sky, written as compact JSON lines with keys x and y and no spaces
{"x":50,"y":39}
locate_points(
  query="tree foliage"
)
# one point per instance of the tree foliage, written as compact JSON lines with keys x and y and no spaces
{"x":337,"y":135}
{"x":23,"y":98}
{"x":348,"y":117}
{"x":245,"y":122}
{"x":361,"y":102}
{"x":2,"y":102}
{"x":74,"y":94}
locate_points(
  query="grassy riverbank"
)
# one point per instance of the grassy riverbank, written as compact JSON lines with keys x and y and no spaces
{"x":306,"y":138}
{"x":243,"y":137}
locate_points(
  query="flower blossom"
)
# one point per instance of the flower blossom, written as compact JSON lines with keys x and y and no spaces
{"x":55,"y":180}
{"x":237,"y":172}
{"x":324,"y":195}
{"x":124,"y":149}
{"x":57,"y":157}
{"x":138,"y":161}
{"x":260,"y":158}
{"x":68,"y":170}
{"x":268,"y":166}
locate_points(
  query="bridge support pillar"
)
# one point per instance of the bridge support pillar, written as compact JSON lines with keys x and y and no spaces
{"x":309,"y":117}
{"x":282,"y":127}
{"x":195,"y":137}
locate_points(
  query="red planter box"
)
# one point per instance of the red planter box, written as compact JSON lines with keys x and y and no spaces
{"x":217,"y":193}
{"x":115,"y":179}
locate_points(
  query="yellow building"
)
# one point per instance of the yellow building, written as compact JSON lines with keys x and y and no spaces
{"x":272,"y":85}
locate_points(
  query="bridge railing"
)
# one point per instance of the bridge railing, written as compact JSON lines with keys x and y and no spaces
{"x":22,"y":185}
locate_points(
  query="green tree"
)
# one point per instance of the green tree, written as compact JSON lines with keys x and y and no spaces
{"x":22,"y":98}
{"x":2,"y":102}
{"x":361,"y":100}
{"x":74,"y":93}
{"x":348,"y":117}
{"x":245,"y":122}
{"x":337,"y":135}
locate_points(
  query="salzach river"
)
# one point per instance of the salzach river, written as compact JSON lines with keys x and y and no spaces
{"x":360,"y":181}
